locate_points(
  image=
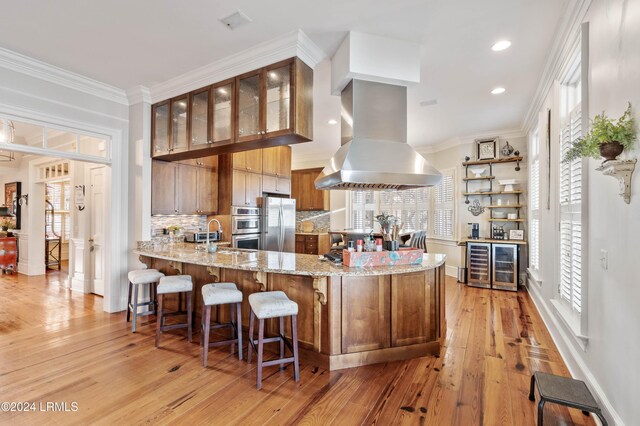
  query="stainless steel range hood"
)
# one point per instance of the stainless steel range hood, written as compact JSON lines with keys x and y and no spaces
{"x":374,"y":152}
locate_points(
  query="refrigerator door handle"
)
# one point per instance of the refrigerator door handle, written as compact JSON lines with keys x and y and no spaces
{"x":281,"y":228}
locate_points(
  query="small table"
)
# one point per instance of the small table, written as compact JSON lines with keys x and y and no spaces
{"x":8,"y":254}
{"x":563,"y":391}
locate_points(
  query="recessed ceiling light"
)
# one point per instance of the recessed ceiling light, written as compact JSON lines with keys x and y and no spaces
{"x":235,"y":20}
{"x":498,"y":91}
{"x":501,"y":45}
{"x":333,"y":122}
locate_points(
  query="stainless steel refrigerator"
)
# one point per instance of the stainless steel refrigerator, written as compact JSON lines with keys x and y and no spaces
{"x":279,"y":224}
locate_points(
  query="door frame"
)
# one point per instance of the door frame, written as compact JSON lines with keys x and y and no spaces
{"x":116,"y":200}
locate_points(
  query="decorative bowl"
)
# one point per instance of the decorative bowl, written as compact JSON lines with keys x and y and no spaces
{"x":499,"y":215}
{"x":477,"y":171}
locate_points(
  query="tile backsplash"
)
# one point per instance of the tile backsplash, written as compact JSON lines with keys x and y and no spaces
{"x":321,"y":219}
{"x":186,"y":223}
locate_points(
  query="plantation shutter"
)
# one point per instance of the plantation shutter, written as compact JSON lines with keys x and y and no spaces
{"x":411,"y":206}
{"x":443,"y":208}
{"x":571,"y":215}
{"x":363,"y":206}
{"x":534,"y":203}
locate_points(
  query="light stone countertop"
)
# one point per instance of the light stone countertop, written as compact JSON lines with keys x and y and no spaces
{"x":275,"y":262}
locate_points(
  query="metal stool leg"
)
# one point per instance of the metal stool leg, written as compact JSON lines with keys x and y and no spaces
{"x":540,"y":411}
{"x":239,"y":328}
{"x":135,"y":309}
{"x":532,"y":396}
{"x":601,"y":417}
{"x":260,"y":351}
{"x":232,"y":320}
{"x":206,"y":323}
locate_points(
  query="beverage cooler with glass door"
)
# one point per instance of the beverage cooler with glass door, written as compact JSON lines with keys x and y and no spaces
{"x":492,"y":265}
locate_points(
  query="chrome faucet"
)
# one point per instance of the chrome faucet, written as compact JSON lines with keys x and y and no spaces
{"x":209,"y":226}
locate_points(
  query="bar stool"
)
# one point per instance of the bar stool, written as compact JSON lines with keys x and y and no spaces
{"x":168,"y":285}
{"x":136,"y":279}
{"x":216,"y":295}
{"x":273,"y":304}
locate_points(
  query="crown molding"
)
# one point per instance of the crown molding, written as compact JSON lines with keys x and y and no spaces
{"x":293,"y":43}
{"x":565,"y":41}
{"x":138,"y":94}
{"x":41,"y":70}
{"x":464,"y":140}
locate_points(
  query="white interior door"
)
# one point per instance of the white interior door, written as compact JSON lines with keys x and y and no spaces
{"x":96,"y":208}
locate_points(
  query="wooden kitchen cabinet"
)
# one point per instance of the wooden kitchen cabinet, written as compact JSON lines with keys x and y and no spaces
{"x":249,"y":161}
{"x":412,"y":319}
{"x":164,"y":175}
{"x":313,"y":244}
{"x":178,"y":188}
{"x":365,"y":314}
{"x":276,"y":161}
{"x":304,"y":191}
{"x":246,"y":188}
{"x":271,"y":106}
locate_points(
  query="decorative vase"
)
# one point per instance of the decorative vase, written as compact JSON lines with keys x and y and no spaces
{"x":611,"y":150}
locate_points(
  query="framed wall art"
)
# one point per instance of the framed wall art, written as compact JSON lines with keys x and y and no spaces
{"x":486,"y":149}
{"x":12,"y":193}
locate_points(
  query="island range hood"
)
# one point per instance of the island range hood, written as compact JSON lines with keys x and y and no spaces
{"x":374,"y":152}
{"x":371,"y":74}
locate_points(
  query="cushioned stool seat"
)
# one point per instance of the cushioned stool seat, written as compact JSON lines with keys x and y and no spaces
{"x":136,"y":279}
{"x":216,"y":295}
{"x":272,"y":304}
{"x":221,"y":294}
{"x":145,"y":276}
{"x":175,"y":284}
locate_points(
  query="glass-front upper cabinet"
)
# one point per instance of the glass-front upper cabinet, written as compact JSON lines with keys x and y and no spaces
{"x":179,"y":140}
{"x":278,"y":98}
{"x":160,"y":142}
{"x":249,"y":109}
{"x":199,"y":119}
{"x":222,"y":113}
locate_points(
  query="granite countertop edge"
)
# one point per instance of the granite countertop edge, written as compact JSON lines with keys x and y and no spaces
{"x":305,"y":265}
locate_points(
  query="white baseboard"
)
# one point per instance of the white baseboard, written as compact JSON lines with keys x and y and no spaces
{"x":31,"y":269}
{"x":570,"y":355}
{"x":78,"y":284}
{"x":451,"y":271}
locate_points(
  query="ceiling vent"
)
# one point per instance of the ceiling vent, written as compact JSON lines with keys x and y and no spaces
{"x":235,"y":20}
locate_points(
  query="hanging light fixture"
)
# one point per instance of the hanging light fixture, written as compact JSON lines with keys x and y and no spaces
{"x":7,"y":136}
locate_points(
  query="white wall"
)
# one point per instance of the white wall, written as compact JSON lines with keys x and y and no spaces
{"x":40,"y":93}
{"x":609,"y":361}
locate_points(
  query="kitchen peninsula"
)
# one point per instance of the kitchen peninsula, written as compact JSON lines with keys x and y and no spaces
{"x":347,"y":317}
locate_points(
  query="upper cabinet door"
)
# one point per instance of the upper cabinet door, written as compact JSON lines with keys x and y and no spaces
{"x":199,"y":119}
{"x":270,"y":161}
{"x":249,"y":113}
{"x":160,"y":118}
{"x":284,"y":161}
{"x":179,"y":138}
{"x":223,"y":108}
{"x":278,"y":92}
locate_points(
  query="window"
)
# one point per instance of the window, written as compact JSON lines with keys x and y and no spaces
{"x":58,"y":195}
{"x":534,"y":202}
{"x":571,"y":215}
{"x":431,"y":209}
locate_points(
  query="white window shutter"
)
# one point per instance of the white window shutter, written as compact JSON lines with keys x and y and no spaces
{"x":571,"y":216}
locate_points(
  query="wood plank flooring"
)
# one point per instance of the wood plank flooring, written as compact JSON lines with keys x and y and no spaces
{"x":58,"y":346}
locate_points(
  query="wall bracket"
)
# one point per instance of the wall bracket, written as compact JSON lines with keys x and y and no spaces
{"x":621,"y":170}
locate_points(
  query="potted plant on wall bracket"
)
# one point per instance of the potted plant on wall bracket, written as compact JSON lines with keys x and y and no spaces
{"x":608,"y":138}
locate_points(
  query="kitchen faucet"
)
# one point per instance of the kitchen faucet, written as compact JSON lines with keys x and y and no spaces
{"x":219,"y":229}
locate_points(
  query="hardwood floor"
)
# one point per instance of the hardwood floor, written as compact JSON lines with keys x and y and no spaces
{"x":58,"y":346}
